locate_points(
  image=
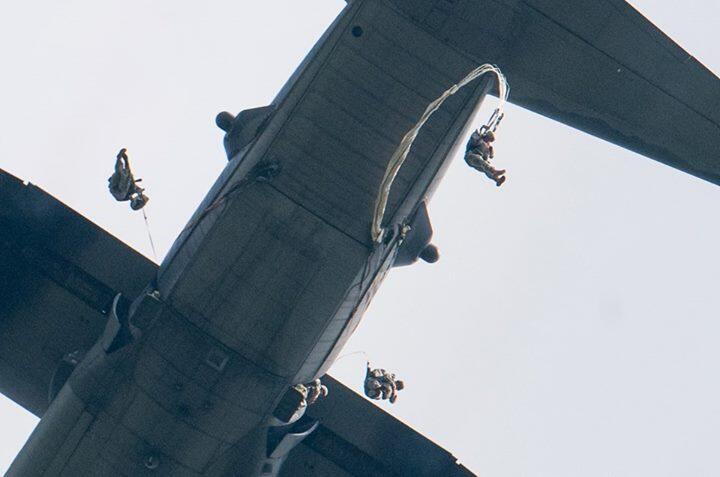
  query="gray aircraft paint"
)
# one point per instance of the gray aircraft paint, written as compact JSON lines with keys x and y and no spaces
{"x":623,"y":176}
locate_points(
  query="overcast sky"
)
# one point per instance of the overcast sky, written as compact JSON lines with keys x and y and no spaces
{"x":570,"y":327}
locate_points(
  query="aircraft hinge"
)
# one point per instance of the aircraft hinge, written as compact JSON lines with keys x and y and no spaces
{"x":117,"y":332}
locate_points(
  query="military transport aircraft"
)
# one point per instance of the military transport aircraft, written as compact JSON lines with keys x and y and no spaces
{"x":188,"y":368}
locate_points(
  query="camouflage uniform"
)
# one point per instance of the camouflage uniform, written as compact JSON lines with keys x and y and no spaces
{"x":381,"y":384}
{"x":314,"y":391}
{"x":123,"y":185}
{"x":373,"y":383}
{"x":479,"y":151}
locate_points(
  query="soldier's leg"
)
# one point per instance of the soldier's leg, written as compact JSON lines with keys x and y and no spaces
{"x":477,"y":162}
{"x":386,"y":391}
{"x":393,"y":394}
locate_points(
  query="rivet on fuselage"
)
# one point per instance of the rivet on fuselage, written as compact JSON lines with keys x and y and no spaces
{"x":152,"y":462}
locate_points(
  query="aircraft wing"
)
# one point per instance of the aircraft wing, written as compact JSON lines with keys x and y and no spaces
{"x":59,"y":273}
{"x":601,"y":67}
{"x":596,"y":65}
{"x":356,"y":438}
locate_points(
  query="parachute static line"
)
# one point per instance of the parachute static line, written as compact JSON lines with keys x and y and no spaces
{"x":398,"y":157}
{"x":147,"y":227}
{"x":352,"y":354}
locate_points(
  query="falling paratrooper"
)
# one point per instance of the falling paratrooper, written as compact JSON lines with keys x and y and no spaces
{"x":381,"y":384}
{"x":478,"y":153}
{"x":123,"y":185}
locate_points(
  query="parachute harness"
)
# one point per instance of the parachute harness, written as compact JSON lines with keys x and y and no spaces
{"x":398,"y":157}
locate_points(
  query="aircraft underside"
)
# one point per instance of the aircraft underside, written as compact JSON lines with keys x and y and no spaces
{"x":184,"y":375}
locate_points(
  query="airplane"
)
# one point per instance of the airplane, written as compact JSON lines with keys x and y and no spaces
{"x":184,"y":374}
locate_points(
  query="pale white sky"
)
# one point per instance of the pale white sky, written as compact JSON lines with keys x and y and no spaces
{"x":570,"y":327}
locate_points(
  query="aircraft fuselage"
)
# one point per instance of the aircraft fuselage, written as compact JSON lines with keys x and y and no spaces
{"x":275,"y":269}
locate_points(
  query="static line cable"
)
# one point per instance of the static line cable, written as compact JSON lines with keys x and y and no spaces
{"x":352,"y":354}
{"x":260,"y":173}
{"x":147,"y":227}
{"x":398,"y":157}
